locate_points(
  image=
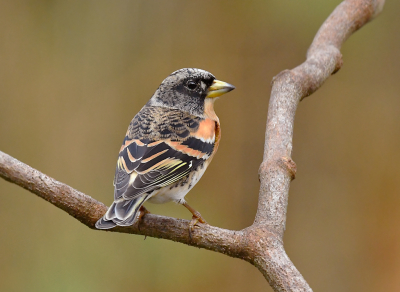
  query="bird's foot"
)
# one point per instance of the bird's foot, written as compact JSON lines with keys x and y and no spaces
{"x":142,"y":211}
{"x":195,"y":220}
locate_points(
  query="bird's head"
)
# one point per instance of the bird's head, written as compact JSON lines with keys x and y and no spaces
{"x":189,"y":89}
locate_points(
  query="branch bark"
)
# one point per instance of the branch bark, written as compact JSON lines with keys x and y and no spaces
{"x":262,"y":243}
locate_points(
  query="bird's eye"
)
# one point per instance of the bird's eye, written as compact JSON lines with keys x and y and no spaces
{"x":191,"y":85}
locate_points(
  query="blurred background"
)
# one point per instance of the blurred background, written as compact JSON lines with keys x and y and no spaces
{"x":74,"y":73}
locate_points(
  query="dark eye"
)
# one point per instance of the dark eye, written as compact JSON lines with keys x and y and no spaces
{"x":191,"y":85}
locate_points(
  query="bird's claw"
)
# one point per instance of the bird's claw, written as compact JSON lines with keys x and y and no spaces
{"x":142,"y":211}
{"x":195,"y":219}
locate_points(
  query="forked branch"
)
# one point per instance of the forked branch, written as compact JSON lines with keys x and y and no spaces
{"x":262,"y":243}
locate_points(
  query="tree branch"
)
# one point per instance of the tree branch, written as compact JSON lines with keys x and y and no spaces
{"x":262,"y":243}
{"x":87,"y":210}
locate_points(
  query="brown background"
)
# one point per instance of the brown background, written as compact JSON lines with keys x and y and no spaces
{"x":74,"y":73}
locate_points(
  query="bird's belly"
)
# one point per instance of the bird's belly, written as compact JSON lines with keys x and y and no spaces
{"x":177,"y":191}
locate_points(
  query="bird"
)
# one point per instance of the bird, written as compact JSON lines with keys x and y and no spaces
{"x":167,"y":148}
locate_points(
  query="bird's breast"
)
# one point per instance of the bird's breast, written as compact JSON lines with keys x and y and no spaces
{"x":209,"y":131}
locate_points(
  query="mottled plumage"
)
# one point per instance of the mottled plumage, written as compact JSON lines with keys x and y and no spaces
{"x":167,"y":147}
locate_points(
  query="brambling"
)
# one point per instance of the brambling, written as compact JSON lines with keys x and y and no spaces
{"x":168,"y":146}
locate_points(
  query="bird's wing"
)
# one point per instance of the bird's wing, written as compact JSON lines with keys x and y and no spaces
{"x":160,"y":148}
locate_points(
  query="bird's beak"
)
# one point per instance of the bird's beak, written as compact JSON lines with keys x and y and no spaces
{"x":219,"y":88}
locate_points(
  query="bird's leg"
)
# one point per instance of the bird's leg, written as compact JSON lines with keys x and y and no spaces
{"x":195,"y":219}
{"x":142,"y":211}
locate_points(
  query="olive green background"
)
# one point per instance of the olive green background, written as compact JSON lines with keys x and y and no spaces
{"x":74,"y":73}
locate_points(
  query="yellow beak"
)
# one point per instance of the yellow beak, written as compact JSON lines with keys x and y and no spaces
{"x":219,"y":88}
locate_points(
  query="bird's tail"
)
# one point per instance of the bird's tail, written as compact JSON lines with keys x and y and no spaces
{"x":122,"y":213}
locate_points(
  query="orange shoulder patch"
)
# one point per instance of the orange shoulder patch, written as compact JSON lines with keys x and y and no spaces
{"x":206,"y":130}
